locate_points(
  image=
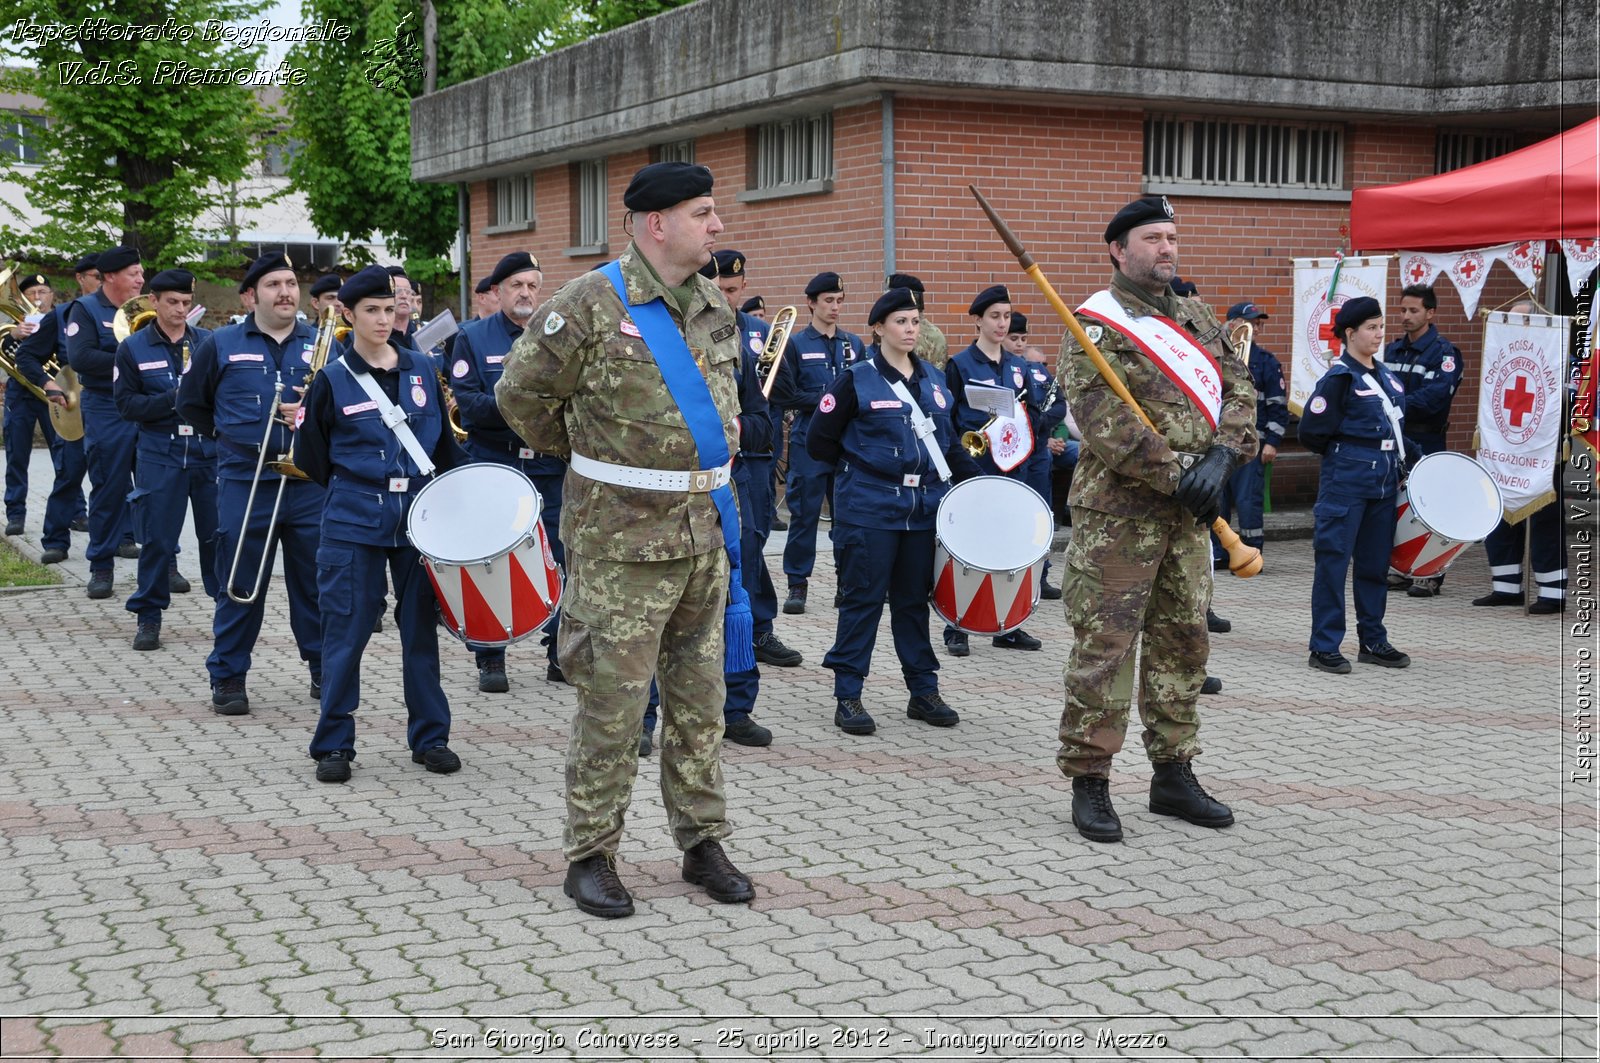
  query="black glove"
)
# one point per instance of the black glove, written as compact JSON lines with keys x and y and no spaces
{"x":1201,"y":486}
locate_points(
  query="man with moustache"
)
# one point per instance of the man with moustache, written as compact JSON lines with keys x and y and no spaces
{"x":477,"y":361}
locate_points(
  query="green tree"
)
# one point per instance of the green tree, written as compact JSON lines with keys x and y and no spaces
{"x":602,"y":16}
{"x":128,"y":150}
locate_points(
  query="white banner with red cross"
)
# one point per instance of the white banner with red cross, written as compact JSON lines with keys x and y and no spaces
{"x":1582,"y":256}
{"x":1469,"y":270}
{"x":1519,"y":407}
{"x":1314,"y":347}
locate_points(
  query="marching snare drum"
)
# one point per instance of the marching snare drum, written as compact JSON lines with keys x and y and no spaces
{"x":992,"y":535}
{"x":478,"y":530}
{"x":1448,"y":503}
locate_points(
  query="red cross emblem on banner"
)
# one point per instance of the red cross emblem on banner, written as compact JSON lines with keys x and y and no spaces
{"x":1583,"y":245}
{"x":1518,"y":401}
{"x":1419,"y":272}
{"x":1523,"y":250}
{"x":1468,"y":268}
{"x":1326,"y":334}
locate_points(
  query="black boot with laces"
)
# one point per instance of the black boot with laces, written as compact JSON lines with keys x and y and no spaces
{"x":1092,"y":813}
{"x":1174,"y":791}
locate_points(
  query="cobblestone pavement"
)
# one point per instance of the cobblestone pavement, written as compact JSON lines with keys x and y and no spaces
{"x":1412,"y":874}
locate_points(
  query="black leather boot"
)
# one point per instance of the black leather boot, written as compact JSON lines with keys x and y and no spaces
{"x":707,"y":866}
{"x":1092,"y":813}
{"x":594,"y":884}
{"x":1174,"y":791}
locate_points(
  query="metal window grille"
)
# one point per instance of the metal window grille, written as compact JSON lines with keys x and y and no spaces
{"x":513,"y":200}
{"x":675,"y":151}
{"x":19,"y":133}
{"x":1243,"y":154}
{"x":1454,"y":149}
{"x":794,"y":151}
{"x":592,"y":203}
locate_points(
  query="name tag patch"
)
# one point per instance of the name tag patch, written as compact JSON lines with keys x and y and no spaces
{"x":247,"y":357}
{"x":886,"y":404}
{"x":813,"y":355}
{"x":495,"y":359}
{"x":723,"y":333}
{"x":147,"y":366}
{"x":360,"y":407}
{"x":628,"y":328}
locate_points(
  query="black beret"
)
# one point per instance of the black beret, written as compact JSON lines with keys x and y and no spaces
{"x":1141,"y":211}
{"x":729,"y":263}
{"x":1019,"y":323}
{"x":117,"y":258}
{"x":987,"y":298}
{"x":753,"y":304}
{"x":1355,"y":312}
{"x":372,"y":281}
{"x":172,"y":280}
{"x":709,"y":270}
{"x":514,"y":263}
{"x":86,"y":264}
{"x":483,"y":287}
{"x":328,"y":282}
{"x":666,"y":184}
{"x":892,"y":301}
{"x":824,"y":282}
{"x":904,"y":280}
{"x":271,"y":262}
{"x":1183,"y":287}
{"x":31,"y":280}
{"x":394,"y":271}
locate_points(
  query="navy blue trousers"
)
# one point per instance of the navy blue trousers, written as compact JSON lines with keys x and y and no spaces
{"x":164,"y":493}
{"x":236,"y":627}
{"x":1350,"y":532}
{"x":350,"y":590}
{"x":810,"y":482}
{"x":108,"y":445}
{"x":873,"y":563}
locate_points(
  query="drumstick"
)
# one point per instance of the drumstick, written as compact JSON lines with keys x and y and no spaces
{"x":1243,"y":561}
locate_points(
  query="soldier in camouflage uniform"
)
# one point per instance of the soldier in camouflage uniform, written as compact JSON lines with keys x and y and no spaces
{"x":647,"y":575}
{"x":1142,"y":501}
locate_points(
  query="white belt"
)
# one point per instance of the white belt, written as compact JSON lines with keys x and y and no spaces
{"x":698,"y":482}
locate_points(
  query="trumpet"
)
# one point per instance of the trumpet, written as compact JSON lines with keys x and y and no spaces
{"x":772,"y":354}
{"x":283,"y":465}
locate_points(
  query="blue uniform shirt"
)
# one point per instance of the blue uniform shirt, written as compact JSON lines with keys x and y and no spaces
{"x":145,"y":388}
{"x":811,"y":361}
{"x":1430,"y":371}
{"x":1272,"y":405}
{"x":1344,"y":421}
{"x":91,"y":343}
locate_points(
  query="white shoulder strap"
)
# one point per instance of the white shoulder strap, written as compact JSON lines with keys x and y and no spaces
{"x":922,"y":424}
{"x":1390,"y":410}
{"x":395,"y":418}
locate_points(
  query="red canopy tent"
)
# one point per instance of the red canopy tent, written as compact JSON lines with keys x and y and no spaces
{"x":1549,"y":190}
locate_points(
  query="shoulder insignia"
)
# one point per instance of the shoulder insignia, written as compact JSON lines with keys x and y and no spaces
{"x":553,"y":323}
{"x":1449,"y":363}
{"x":1094,"y":332}
{"x":1319,"y":404}
{"x":827,"y":403}
{"x":460,"y":369}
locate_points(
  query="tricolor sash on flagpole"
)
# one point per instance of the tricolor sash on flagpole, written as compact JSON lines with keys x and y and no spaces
{"x":693,"y":396}
{"x":1191,"y":368}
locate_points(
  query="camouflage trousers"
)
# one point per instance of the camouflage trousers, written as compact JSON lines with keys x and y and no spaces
{"x":623,"y":622}
{"x":1130,"y":579}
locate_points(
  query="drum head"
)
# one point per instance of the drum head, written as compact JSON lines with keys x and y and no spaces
{"x":994,"y":523}
{"x":473,"y":513}
{"x":1454,"y":496}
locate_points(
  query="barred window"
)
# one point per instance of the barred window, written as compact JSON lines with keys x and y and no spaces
{"x":674,"y":151}
{"x":1226,"y":153}
{"x":591,"y":200}
{"x":1455,"y":148}
{"x":511,"y":204}
{"x":795,"y":151}
{"x":19,"y":136}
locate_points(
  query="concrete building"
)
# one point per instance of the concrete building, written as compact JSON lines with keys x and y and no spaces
{"x":843,"y":136}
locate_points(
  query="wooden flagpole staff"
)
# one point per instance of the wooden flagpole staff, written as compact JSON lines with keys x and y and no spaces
{"x":1243,"y":561}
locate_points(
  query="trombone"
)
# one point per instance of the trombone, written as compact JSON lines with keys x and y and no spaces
{"x":772,"y":354}
{"x":283,"y":465}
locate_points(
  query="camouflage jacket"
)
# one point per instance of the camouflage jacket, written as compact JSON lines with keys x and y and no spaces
{"x":1124,"y":468}
{"x":575,"y":381}
{"x":931,"y":345}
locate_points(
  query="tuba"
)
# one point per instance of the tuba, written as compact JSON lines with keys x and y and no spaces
{"x":772,"y":354}
{"x":132,"y":316}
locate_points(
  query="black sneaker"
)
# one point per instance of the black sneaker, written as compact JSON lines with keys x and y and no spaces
{"x":315,"y":689}
{"x":335,"y":767}
{"x":956,"y":644}
{"x":129,"y":551}
{"x":1547,"y":606}
{"x":1383,"y":654}
{"x":851,"y":718}
{"x":228,"y":697}
{"x":81,"y":525}
{"x":1334,"y":662}
{"x":1213,"y":685}
{"x":932,"y":709}
{"x":438,"y":760}
{"x":176,"y":582}
{"x":771,"y":650}
{"x":99,"y":585}
{"x":1425,"y":588}
{"x":779,"y":524}
{"x":148,"y":637}
{"x":1499,"y":598}
{"x":1017,"y":640}
{"x":377,"y":623}
{"x":492,"y":677}
{"x":796,"y":602}
{"x":1048,"y":592}
{"x":13,"y":527}
{"x":743,"y":731}
{"x":52,"y":556}
{"x":838,"y":599}
{"x":1216,"y":625}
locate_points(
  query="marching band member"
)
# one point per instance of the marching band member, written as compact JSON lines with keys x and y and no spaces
{"x":885,"y":425}
{"x":478,"y":359}
{"x":175,"y":463}
{"x":228,"y":393}
{"x":372,"y":472}
{"x":324,"y":293}
{"x":65,"y":511}
{"x":406,"y":302}
{"x":1138,"y":565}
{"x":755,"y":306}
{"x":987,"y":361}
{"x":23,"y":410}
{"x":485,"y":300}
{"x":108,"y":440}
{"x":1355,"y":419}
{"x":815,"y":355}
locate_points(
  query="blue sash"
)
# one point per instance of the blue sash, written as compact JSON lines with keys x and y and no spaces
{"x":693,"y":396}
